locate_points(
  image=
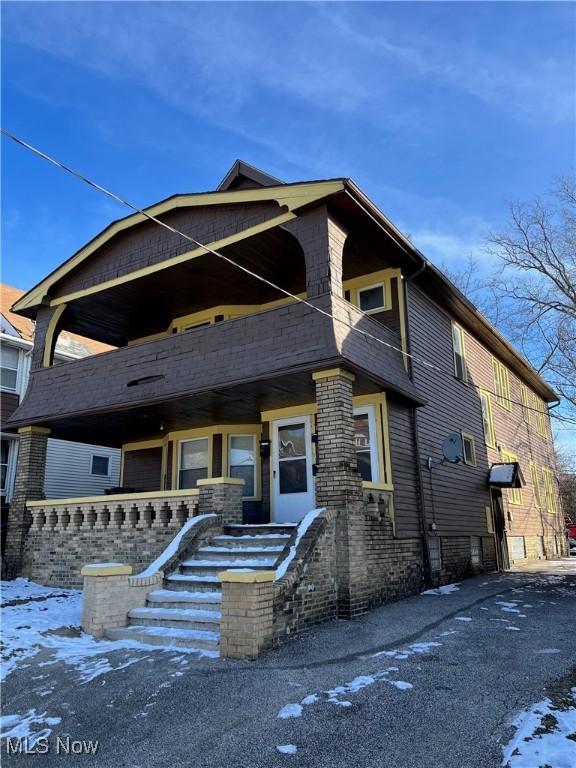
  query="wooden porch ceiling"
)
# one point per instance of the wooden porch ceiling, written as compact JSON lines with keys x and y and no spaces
{"x":240,"y":404}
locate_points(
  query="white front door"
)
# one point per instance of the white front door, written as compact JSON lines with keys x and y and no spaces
{"x":292,"y":479}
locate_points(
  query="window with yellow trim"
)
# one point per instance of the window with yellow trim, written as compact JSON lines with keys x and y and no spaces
{"x":487,"y":418}
{"x":502,"y":384}
{"x":372,"y":293}
{"x":242,"y":462}
{"x":535,"y":485}
{"x":540,"y":417}
{"x":550,"y":490}
{"x":514,"y":494}
{"x":526,"y":400}
{"x":458,"y":352}
{"x":193,"y":461}
{"x":468,"y":449}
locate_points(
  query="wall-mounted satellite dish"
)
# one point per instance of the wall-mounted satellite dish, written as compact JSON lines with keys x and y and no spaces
{"x":452,"y":448}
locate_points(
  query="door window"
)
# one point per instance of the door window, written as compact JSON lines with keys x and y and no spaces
{"x":292,"y":458}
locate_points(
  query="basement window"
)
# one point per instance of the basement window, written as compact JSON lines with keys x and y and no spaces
{"x":435,"y":554}
{"x":100,"y":466}
{"x":476,"y":551}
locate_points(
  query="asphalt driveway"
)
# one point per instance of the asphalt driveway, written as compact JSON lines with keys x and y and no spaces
{"x":430,"y":681}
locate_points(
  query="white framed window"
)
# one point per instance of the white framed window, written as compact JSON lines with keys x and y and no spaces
{"x":459,"y":354}
{"x":10,"y":357}
{"x":193,"y":461}
{"x":372,"y":298}
{"x":100,"y":466}
{"x":468,"y":449}
{"x":476,"y":551}
{"x":366,"y":443}
{"x":435,"y":554}
{"x":4,"y":464}
{"x":242,"y":462}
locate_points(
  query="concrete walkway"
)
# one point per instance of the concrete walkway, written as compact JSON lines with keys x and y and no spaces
{"x":431,"y":681}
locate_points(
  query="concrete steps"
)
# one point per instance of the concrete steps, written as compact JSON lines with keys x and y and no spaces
{"x":186,"y":612}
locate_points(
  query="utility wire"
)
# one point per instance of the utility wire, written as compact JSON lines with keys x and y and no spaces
{"x":218,"y":254}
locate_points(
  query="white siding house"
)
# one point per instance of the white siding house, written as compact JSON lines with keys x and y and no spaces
{"x":79,"y":469}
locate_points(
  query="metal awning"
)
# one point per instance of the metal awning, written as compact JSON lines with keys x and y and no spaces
{"x":506,"y":475}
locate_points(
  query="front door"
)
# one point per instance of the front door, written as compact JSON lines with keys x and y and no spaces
{"x":502,"y":560}
{"x":292,"y":478}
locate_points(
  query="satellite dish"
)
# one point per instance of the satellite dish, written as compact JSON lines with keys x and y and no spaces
{"x":452,"y":448}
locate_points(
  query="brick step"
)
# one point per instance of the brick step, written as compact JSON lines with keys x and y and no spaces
{"x":238,"y":553}
{"x":176,"y":617}
{"x":212,"y":568}
{"x":203,"y":641}
{"x":259,"y":530}
{"x":186,"y":582}
{"x":246,"y":540}
{"x":171,"y":598}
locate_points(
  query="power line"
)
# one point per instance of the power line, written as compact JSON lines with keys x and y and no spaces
{"x":255,"y":275}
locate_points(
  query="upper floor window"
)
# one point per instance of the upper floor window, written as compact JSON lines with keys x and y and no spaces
{"x":193,"y":462}
{"x":372,"y":298}
{"x":9,"y":368}
{"x":487,"y":419}
{"x":535,"y":484}
{"x":540,"y":417}
{"x":550,"y":490}
{"x":468,"y":449}
{"x":502,"y":384}
{"x":242,"y":461}
{"x":100,"y":466}
{"x":525,"y":397}
{"x":459,"y":355}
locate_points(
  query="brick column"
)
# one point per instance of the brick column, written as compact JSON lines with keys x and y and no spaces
{"x":339,"y":486}
{"x":246,"y":624}
{"x":28,"y":486}
{"x":221,"y":496}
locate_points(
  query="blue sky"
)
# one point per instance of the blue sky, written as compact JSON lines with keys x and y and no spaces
{"x":441,"y":112}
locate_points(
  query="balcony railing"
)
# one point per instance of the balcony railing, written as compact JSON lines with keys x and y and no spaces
{"x":121,"y":512}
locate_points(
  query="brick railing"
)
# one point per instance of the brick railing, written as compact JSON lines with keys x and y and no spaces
{"x":158,"y":509}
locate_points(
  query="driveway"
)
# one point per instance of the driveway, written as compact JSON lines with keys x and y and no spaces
{"x":433,"y":680}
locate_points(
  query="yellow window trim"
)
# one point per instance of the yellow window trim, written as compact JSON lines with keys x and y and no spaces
{"x":550,"y":491}
{"x":372,"y":280}
{"x":502,"y":384}
{"x":460,"y":333}
{"x":252,"y":430}
{"x":489,"y":519}
{"x":540,"y":417}
{"x":490,"y":439}
{"x":176,"y":455}
{"x":470,"y":437}
{"x":289,"y":197}
{"x":536,"y":485}
{"x":514,"y":494}
{"x":525,"y":398}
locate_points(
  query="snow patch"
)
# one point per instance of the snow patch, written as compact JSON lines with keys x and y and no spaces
{"x":303,"y":526}
{"x":287,"y":749}
{"x":447,"y":589}
{"x":463,"y":618}
{"x":290,"y":710}
{"x":172,"y":548}
{"x":32,"y":726}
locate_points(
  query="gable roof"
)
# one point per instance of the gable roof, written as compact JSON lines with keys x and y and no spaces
{"x":243,"y":175}
{"x":69,"y":344}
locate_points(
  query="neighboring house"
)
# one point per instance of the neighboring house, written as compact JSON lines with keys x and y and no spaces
{"x":217,"y":374}
{"x":72,"y":468}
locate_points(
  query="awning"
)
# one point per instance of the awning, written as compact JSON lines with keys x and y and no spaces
{"x":507,"y":475}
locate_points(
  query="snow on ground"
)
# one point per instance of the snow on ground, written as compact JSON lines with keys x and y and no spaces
{"x":545,"y":735}
{"x":287,"y":749}
{"x":36,"y":617}
{"x":32,"y":726}
{"x":447,"y":589}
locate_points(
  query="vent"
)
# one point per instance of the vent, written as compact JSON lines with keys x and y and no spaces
{"x":145,"y":380}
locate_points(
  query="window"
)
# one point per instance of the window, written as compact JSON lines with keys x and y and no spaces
{"x":502,"y":384}
{"x":540,"y":547}
{"x":435,"y":554}
{"x":365,"y":441}
{"x":487,"y":419}
{"x":489,"y":519}
{"x":535,"y":484}
{"x":540,"y":417}
{"x":517,"y":548}
{"x":4,"y":462}
{"x":100,"y":466}
{"x":468,"y":449}
{"x":550,"y":490}
{"x":372,"y":298}
{"x":459,"y":356}
{"x":193,"y":462}
{"x":514,"y":494}
{"x":242,"y":461}
{"x":525,"y":396}
{"x":9,"y":368}
{"x":476,"y":551}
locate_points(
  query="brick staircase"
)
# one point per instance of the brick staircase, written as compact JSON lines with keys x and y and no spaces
{"x":186,"y":612}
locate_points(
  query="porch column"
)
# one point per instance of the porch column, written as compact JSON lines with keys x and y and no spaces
{"x":221,"y":496}
{"x":28,"y":486}
{"x":339,"y":486}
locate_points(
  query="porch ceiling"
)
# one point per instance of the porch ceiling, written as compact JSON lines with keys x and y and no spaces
{"x":241,"y":404}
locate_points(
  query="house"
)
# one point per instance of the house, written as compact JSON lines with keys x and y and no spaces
{"x":72,"y":468}
{"x":292,"y":351}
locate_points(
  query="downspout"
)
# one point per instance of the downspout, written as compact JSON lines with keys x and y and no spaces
{"x":414,"y":422}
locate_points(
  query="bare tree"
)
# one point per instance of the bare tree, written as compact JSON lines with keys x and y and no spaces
{"x":566,"y":465}
{"x":536,"y":288}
